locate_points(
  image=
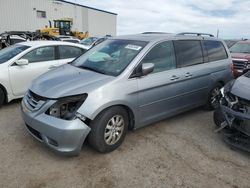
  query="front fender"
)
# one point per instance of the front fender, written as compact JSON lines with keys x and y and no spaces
{"x":91,"y":113}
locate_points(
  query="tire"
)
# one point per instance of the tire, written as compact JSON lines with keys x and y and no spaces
{"x":213,"y":98}
{"x":2,"y":97}
{"x":218,"y":117}
{"x":112,"y":122}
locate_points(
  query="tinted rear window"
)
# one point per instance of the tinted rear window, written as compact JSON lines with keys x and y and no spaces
{"x":188,"y":52}
{"x":67,"y":52}
{"x":215,"y":50}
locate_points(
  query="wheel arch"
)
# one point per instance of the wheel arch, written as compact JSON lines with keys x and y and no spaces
{"x":221,"y":82}
{"x":5,"y":92}
{"x":131,"y":114}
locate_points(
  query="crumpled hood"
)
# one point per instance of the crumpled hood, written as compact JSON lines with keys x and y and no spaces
{"x":241,"y":87}
{"x":68,"y":80}
{"x":241,"y":56}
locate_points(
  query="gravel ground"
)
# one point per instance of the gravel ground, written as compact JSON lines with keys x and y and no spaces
{"x":182,"y":151}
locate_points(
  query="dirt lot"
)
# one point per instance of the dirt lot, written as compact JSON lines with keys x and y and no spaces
{"x":182,"y":151}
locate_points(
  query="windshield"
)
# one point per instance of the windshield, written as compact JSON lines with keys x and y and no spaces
{"x":110,"y":57}
{"x":7,"y":53}
{"x":240,"y":48}
{"x":247,"y":74}
{"x":89,"y":41}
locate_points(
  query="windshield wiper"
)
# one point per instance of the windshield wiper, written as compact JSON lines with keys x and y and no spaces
{"x":92,"y":69}
{"x":240,"y":52}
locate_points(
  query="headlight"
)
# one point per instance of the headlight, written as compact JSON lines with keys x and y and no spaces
{"x":66,"y":108}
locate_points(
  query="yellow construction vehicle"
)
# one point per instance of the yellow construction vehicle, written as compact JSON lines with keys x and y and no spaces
{"x":63,"y":27}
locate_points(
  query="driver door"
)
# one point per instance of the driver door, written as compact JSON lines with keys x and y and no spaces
{"x":160,"y":92}
{"x":40,"y":61}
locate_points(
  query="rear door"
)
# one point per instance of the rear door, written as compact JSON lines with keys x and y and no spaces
{"x":194,"y":75}
{"x":40,"y":60}
{"x":68,"y":53}
{"x":217,"y":62}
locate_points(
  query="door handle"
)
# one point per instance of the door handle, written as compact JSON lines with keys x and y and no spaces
{"x":174,"y":77}
{"x":188,"y":75}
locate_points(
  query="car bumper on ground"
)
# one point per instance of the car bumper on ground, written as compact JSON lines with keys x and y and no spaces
{"x":63,"y":136}
{"x":237,"y":131}
{"x":238,"y":120}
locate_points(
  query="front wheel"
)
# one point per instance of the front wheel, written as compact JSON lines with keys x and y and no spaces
{"x":213,"y":101}
{"x":109,"y":129}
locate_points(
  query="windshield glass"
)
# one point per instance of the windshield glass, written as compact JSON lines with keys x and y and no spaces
{"x":7,"y":53}
{"x":110,"y":57}
{"x":240,"y":48}
{"x":247,"y":74}
{"x":88,"y":41}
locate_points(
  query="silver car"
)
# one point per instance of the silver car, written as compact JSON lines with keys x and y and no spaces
{"x":124,"y":83}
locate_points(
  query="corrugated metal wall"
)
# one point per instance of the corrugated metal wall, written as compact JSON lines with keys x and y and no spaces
{"x":105,"y":24}
{"x":22,"y":15}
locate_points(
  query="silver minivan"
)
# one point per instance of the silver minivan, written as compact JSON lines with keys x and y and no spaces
{"x":124,"y":83}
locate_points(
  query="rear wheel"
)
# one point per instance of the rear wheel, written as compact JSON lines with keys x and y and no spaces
{"x":213,"y":101}
{"x":109,"y":129}
{"x":2,"y":97}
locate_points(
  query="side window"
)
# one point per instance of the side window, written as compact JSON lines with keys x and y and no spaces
{"x":14,"y":41}
{"x":41,"y":54}
{"x":162,"y":56}
{"x":67,"y":52}
{"x":215,"y":50}
{"x":188,"y":52}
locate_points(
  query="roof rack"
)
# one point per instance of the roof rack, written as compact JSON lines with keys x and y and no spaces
{"x":198,"y":34}
{"x":154,"y":32}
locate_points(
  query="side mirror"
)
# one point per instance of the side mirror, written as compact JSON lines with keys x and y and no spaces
{"x":22,"y":62}
{"x":147,"y":68}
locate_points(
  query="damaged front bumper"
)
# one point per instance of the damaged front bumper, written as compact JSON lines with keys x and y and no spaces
{"x":236,"y":128}
{"x":63,"y":136}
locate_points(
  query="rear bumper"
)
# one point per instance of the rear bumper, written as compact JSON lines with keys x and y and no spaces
{"x":62,"y":136}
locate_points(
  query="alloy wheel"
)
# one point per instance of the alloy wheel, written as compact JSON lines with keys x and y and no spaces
{"x":114,"y":130}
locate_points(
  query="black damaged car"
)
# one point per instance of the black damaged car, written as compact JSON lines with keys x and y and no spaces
{"x":233,"y":115}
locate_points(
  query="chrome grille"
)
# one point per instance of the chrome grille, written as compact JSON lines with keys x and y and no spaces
{"x":33,"y":101}
{"x":240,"y":64}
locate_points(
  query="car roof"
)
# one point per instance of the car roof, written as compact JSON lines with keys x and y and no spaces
{"x":49,"y":43}
{"x":163,"y":36}
{"x":66,"y":37}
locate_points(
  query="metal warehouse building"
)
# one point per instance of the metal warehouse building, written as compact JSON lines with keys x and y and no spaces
{"x":31,"y":15}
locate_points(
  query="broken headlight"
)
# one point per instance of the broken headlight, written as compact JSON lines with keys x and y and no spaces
{"x":222,"y":92}
{"x":66,"y":108}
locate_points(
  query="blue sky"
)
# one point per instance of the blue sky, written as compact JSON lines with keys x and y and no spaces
{"x":231,"y":17}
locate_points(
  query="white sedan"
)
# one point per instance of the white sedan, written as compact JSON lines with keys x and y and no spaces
{"x":23,"y":62}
